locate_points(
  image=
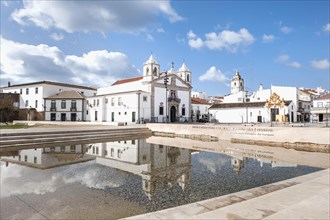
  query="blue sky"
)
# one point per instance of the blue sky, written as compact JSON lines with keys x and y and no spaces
{"x":94,"y":43}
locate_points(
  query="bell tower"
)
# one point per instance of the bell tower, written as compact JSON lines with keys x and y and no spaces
{"x":237,"y":83}
{"x":185,"y":74}
{"x":151,"y":68}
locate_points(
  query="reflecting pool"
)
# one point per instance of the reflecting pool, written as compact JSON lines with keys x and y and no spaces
{"x":125,"y":178}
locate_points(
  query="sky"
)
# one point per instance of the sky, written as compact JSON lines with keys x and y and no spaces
{"x":94,"y":43}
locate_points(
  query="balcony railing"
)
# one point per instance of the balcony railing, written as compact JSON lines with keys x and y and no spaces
{"x":53,"y":109}
{"x":174,"y":99}
{"x":73,"y":109}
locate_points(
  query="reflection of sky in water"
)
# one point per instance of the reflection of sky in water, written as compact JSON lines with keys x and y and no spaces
{"x":17,"y":179}
{"x":211,"y":175}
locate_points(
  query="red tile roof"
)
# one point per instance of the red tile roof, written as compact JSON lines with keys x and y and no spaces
{"x":122,"y":81}
{"x":326,"y":96}
{"x":199,"y":101}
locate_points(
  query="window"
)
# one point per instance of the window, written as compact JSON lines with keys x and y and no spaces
{"x":183,"y":111}
{"x":112,"y":101}
{"x":112,"y":116}
{"x":21,"y":91}
{"x":250,"y":114}
{"x":52,"y":149}
{"x":97,"y":151}
{"x":86,"y":112}
{"x":95,"y":115}
{"x":73,"y":148}
{"x":133,"y":116}
{"x":118,"y":113}
{"x":105,"y":153}
{"x":36,"y":104}
{"x":112,"y":152}
{"x":188,"y":77}
{"x":27,"y":103}
{"x":320,"y":104}
{"x":53,"y":104}
{"x":173,"y":94}
{"x":63,"y":104}
{"x":120,"y":103}
{"x":25,"y":158}
{"x":119,"y":153}
{"x":97,"y":102}
{"x":133,"y":142}
{"x":106,"y":100}
{"x":73,"y":105}
{"x":144,"y":157}
{"x":35,"y":159}
{"x":36,"y":90}
{"x":94,"y":102}
{"x":27,"y":91}
{"x":161,"y":109}
{"x":125,"y":113}
{"x":155,"y":71}
{"x":327,"y":104}
{"x":62,"y":149}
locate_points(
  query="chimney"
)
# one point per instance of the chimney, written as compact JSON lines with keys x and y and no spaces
{"x":8,"y":84}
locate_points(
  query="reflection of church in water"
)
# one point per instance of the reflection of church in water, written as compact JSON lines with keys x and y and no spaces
{"x":158,"y":165}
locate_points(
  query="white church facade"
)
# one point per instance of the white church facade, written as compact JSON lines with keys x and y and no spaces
{"x":286,"y":104}
{"x":147,"y":98}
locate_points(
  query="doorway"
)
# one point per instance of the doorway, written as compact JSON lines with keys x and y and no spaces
{"x":73,"y":116}
{"x":52,"y":116}
{"x":173,"y":114}
{"x":63,"y":116}
{"x":320,"y":117}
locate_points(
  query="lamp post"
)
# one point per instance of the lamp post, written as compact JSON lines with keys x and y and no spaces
{"x":165,"y":83}
{"x":246,"y":107}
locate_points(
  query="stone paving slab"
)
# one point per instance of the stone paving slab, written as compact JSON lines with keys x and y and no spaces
{"x":304,"y":197}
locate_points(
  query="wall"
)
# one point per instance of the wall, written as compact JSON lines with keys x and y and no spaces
{"x":278,"y":134}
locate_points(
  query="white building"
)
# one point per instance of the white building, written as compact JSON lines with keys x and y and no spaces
{"x":200,"y":109}
{"x":32,"y":96}
{"x":144,"y":98}
{"x":65,"y":106}
{"x":240,"y":107}
{"x":321,"y":109}
{"x":200,"y":95}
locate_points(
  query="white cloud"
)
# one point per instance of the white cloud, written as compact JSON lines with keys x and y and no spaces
{"x":160,"y":30}
{"x":286,"y":29}
{"x":268,"y":38}
{"x":20,"y":62}
{"x":149,"y":37}
{"x":103,"y":16}
{"x":214,"y":74}
{"x":228,"y":40}
{"x":282,"y":58}
{"x":321,"y":64}
{"x":56,"y":36}
{"x":326,"y":27}
{"x":294,"y":64}
{"x":285,"y":59}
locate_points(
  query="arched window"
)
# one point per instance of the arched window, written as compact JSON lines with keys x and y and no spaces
{"x":155,"y":71}
{"x":161,"y":109}
{"x":147,"y":71}
{"x":188,"y":77}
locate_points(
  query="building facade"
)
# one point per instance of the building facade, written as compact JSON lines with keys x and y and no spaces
{"x":65,"y":106}
{"x":32,"y":96}
{"x":321,"y":109}
{"x":153,"y":97}
{"x":242,"y":107}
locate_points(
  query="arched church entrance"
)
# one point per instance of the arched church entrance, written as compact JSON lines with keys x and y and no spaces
{"x":173,"y":114}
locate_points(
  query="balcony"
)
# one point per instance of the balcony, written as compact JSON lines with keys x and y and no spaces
{"x":174,"y":99}
{"x":53,"y":109}
{"x":73,"y":109}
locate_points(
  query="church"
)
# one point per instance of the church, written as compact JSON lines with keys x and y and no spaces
{"x":153,"y":97}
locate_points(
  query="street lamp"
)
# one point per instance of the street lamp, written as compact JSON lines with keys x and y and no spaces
{"x":165,"y":83}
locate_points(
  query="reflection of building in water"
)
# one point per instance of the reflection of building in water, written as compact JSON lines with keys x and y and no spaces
{"x":158,"y":165}
{"x":49,"y":157}
{"x":237,"y":162}
{"x":275,"y":163}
